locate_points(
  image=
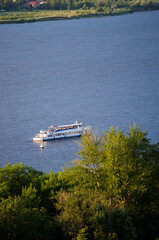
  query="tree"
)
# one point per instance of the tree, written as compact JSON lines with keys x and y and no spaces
{"x":69,"y":4}
{"x":19,"y":220}
{"x":24,"y":214}
{"x":125,"y":167}
{"x":13,"y":178}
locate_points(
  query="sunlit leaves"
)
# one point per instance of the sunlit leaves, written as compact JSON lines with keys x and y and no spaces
{"x":122,"y":164}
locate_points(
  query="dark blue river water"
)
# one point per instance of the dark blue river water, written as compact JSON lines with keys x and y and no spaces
{"x":100,"y":71}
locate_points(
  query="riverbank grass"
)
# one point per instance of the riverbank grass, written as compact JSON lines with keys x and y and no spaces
{"x":44,"y":15}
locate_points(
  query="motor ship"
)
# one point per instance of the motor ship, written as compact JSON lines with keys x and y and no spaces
{"x":63,"y":131}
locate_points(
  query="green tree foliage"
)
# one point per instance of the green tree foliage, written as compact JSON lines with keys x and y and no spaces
{"x":123,"y":166}
{"x":13,"y":178}
{"x":27,"y":203}
{"x":19,"y":220}
{"x":120,"y":164}
{"x":90,"y":210}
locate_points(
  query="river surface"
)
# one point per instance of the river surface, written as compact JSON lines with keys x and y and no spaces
{"x":100,"y":71}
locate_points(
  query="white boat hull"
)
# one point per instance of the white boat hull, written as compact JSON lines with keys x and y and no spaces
{"x":56,"y":137}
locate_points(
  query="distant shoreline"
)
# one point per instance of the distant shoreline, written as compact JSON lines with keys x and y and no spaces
{"x":52,"y":15}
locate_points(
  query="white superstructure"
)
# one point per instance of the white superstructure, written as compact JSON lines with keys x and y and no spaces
{"x":63,"y":131}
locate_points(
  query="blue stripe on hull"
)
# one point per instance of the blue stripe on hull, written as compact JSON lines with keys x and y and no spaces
{"x":61,"y":137}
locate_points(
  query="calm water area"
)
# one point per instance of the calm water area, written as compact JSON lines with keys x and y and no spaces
{"x":100,"y":71}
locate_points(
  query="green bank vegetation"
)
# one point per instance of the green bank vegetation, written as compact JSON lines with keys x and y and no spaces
{"x":110,"y":193}
{"x":19,"y":11}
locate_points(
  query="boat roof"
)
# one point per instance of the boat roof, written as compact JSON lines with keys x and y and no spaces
{"x":64,"y":126}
